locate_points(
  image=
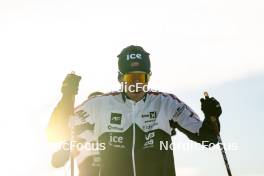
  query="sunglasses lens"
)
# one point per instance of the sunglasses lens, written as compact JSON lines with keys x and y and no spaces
{"x":131,"y":78}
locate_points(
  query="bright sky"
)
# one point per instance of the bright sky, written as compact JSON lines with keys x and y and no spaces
{"x":193,"y":44}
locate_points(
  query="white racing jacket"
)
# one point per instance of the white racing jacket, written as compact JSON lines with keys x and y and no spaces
{"x":132,"y":135}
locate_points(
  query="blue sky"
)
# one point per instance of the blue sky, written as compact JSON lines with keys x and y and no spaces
{"x":242,"y":123}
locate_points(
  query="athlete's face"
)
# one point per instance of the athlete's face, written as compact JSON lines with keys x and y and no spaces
{"x":135,"y":84}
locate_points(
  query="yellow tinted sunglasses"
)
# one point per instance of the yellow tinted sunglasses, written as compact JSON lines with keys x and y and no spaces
{"x":131,"y":78}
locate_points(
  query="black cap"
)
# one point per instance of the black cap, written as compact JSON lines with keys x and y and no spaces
{"x":133,"y":58}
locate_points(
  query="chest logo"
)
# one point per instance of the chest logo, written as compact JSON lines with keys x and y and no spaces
{"x":153,"y":115}
{"x":116,"y":118}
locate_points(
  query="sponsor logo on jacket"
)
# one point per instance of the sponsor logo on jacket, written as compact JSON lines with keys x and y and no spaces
{"x":116,"y":118}
{"x":152,"y":115}
{"x":149,"y":140}
{"x":115,"y":121}
{"x":82,"y":114}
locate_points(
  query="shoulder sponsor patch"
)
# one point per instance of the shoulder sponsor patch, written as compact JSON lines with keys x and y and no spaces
{"x":82,"y":115}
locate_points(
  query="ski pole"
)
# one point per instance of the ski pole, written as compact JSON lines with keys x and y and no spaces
{"x":213,"y":119}
{"x":71,"y":154}
{"x":72,"y":133}
{"x":72,"y":166}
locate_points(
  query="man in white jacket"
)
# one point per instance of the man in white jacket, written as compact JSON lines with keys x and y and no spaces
{"x":133,"y":124}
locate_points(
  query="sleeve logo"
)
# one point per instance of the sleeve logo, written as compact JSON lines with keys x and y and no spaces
{"x":82,"y":115}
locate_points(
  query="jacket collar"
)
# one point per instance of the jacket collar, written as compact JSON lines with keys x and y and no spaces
{"x":124,"y":97}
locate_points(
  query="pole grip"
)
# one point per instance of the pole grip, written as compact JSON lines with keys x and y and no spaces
{"x":213,"y":119}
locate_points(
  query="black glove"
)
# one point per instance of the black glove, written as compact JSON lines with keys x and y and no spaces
{"x":70,"y":84}
{"x":210,"y":107}
{"x":212,"y":110}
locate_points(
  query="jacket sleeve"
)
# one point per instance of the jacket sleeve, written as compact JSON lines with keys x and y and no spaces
{"x":65,"y":117}
{"x":187,"y":121}
{"x":84,"y":118}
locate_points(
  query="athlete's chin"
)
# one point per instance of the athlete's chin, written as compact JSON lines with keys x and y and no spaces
{"x":137,"y":93}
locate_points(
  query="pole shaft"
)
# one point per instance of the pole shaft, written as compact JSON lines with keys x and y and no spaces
{"x":72,"y":166}
{"x":224,"y":155}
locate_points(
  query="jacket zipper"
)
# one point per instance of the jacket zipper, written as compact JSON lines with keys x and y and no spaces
{"x":134,"y":139}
